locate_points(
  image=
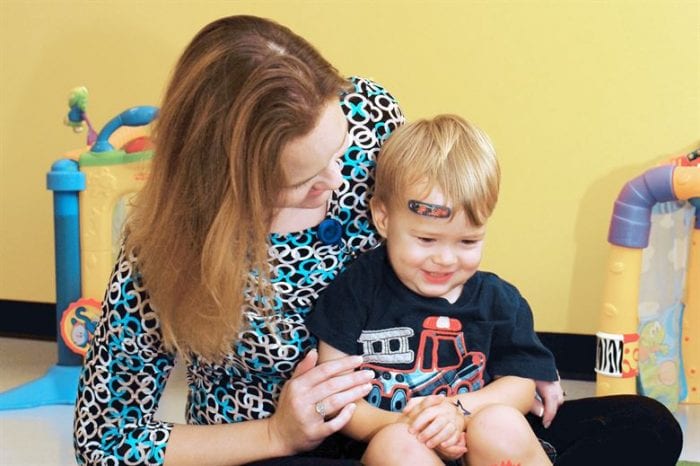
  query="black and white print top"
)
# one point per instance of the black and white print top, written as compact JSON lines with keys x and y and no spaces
{"x":126,"y":368}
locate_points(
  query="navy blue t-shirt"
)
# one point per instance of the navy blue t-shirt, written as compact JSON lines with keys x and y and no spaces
{"x":419,"y":346}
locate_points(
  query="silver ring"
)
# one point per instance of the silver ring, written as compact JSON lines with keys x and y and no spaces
{"x":320,"y":409}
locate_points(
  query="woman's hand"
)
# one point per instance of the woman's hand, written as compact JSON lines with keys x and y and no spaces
{"x":552,"y":396}
{"x":438,"y":423}
{"x":313,"y":392}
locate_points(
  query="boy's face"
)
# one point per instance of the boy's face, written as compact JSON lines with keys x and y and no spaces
{"x":432,"y":256}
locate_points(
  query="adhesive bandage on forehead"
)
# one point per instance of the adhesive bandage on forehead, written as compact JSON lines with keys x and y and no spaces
{"x":429,"y":210}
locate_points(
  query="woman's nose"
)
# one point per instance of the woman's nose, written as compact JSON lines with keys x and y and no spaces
{"x":334,"y":176}
{"x":331,"y":178}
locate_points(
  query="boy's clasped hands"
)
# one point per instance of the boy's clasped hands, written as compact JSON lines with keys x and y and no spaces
{"x":438,"y":423}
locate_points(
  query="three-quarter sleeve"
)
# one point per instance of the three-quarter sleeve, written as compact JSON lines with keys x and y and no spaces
{"x":122,"y":380}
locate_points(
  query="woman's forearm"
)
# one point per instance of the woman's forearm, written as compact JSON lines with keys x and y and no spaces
{"x":295,"y":427}
{"x":513,"y":391}
{"x":223,"y":444}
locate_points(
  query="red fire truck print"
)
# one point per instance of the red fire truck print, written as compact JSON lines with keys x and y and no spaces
{"x":460,"y":372}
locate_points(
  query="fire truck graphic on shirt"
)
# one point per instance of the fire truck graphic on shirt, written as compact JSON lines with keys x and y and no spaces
{"x":440,"y":365}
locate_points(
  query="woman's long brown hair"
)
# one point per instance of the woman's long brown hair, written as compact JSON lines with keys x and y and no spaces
{"x":243,"y":88}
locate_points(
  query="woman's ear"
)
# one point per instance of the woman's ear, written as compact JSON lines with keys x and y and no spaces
{"x":380,"y":216}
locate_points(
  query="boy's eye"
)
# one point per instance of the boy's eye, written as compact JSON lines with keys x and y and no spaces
{"x":469,"y":242}
{"x":423,"y":239}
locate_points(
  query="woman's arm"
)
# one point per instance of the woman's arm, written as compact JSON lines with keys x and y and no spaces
{"x":124,"y":376}
{"x":295,"y":426}
{"x":366,"y":420}
{"x":222,"y":444}
{"x":122,"y":379}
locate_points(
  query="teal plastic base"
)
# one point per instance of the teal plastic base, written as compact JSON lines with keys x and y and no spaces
{"x":59,"y":386}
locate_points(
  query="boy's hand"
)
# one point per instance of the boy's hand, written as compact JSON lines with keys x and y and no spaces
{"x":551,"y":397}
{"x":436,"y":422}
{"x":455,"y":451}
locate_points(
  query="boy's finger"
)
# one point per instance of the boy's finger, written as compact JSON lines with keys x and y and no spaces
{"x":413,"y":402}
{"x":421,"y":414}
{"x":537,"y":408}
{"x":443,"y":435}
{"x":419,"y":422}
{"x":434,"y":432}
{"x":452,"y":441}
{"x":453,"y":453}
{"x":549,"y":411}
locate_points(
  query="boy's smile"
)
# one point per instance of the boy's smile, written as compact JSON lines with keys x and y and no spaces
{"x":437,"y":277}
{"x":432,"y":256}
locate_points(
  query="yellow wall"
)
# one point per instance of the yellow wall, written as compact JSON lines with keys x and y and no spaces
{"x":578,"y":96}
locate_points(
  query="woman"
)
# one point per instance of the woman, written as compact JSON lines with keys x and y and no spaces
{"x":257,"y":198}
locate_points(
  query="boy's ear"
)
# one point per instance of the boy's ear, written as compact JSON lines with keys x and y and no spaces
{"x":380,"y":216}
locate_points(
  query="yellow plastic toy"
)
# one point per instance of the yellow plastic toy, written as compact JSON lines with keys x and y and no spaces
{"x":622,"y":347}
{"x":90,"y":199}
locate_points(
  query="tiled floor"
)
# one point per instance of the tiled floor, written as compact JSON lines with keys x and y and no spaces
{"x":42,"y":436}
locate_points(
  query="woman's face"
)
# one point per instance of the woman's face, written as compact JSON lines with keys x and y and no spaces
{"x":311,"y":163}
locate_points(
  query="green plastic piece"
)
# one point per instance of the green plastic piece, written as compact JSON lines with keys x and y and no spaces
{"x":113,"y":157}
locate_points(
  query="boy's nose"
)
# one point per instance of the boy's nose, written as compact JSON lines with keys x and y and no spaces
{"x":444,"y":256}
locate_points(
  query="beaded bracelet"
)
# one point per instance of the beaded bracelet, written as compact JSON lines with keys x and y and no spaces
{"x":461,"y":407}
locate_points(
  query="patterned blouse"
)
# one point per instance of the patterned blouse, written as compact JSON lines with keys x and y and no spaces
{"x":126,"y":368}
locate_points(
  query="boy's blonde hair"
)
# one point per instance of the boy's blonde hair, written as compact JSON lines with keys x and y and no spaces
{"x":446,"y":152}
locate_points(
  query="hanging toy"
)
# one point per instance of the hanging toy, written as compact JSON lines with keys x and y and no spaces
{"x":77,"y":115}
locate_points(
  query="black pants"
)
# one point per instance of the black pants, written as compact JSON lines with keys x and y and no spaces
{"x":613,"y":430}
{"x":605,"y":431}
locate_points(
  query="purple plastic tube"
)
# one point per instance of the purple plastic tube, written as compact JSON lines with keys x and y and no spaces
{"x":631,"y":219}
